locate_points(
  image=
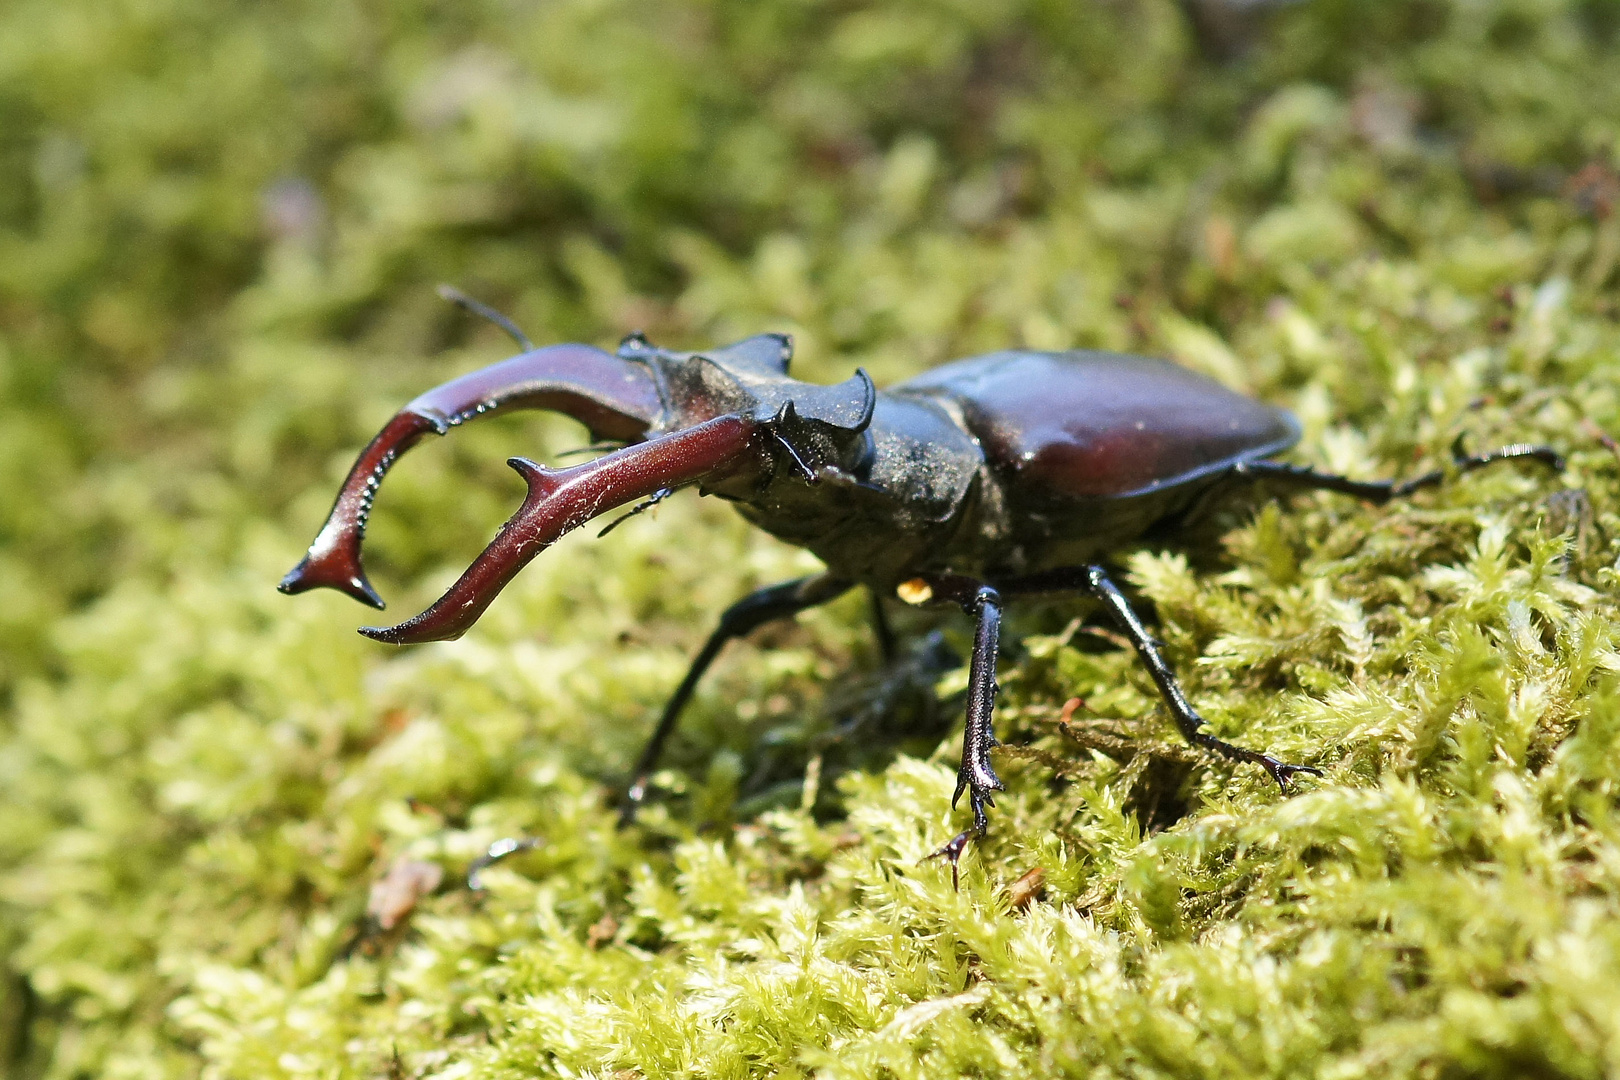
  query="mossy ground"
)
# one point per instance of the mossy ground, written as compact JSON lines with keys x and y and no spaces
{"x":220,"y":226}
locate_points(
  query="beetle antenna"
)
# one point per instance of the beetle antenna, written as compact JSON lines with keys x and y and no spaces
{"x":787,"y":413}
{"x":804,"y":470}
{"x":467,"y":303}
{"x":646,"y":504}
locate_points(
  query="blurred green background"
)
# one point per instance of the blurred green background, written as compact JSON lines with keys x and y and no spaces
{"x":221,"y":225}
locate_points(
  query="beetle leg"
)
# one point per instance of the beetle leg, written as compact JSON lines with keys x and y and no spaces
{"x":1382,"y":491}
{"x":976,"y":776}
{"x":881,"y":630}
{"x":752,"y":611}
{"x":1095,"y":580}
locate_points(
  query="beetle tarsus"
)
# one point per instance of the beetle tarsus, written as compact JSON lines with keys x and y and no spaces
{"x":953,"y":851}
{"x":979,"y":800}
{"x":1282,"y":772}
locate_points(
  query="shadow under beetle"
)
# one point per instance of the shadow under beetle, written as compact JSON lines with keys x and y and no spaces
{"x":988,"y":479}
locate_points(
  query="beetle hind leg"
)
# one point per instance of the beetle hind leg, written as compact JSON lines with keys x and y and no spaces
{"x":1382,"y":491}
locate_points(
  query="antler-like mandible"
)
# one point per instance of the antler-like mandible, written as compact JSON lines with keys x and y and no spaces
{"x":560,"y":500}
{"x":613,"y":397}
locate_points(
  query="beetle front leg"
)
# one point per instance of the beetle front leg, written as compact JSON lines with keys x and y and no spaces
{"x":751,"y":612}
{"x":1095,"y":580}
{"x":882,"y":632}
{"x":976,"y":775}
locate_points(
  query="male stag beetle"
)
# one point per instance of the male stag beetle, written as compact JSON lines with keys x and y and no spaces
{"x":1004,"y":476}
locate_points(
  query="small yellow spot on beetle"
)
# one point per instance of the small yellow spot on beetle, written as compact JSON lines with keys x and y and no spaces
{"x":915,"y":591}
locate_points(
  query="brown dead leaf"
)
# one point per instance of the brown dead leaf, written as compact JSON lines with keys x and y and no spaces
{"x":1027,"y":889}
{"x":395,"y":895}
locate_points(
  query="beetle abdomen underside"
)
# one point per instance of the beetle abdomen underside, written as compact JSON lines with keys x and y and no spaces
{"x":1087,"y":425}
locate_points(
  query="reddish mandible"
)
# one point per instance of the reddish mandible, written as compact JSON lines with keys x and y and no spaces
{"x":1003,"y":476}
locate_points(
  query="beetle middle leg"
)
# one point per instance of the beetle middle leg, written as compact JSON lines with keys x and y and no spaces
{"x":752,"y":611}
{"x":1095,"y":580}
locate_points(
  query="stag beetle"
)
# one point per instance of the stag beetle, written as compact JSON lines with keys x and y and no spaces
{"x":1004,"y":476}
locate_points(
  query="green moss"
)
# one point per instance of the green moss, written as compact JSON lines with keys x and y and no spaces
{"x":220,"y":225}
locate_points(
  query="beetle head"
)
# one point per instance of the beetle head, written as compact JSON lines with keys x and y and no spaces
{"x":809,"y":427}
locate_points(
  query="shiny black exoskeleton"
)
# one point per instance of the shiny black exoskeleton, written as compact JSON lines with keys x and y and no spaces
{"x":1003,"y":476}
